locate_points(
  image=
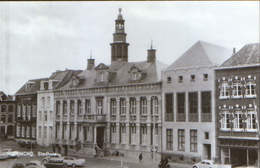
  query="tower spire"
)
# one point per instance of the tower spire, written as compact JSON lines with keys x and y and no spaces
{"x":119,"y":47}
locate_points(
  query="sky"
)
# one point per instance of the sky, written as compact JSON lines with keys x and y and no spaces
{"x":38,"y":38}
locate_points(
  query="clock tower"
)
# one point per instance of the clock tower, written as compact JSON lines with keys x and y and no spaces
{"x":119,"y":47}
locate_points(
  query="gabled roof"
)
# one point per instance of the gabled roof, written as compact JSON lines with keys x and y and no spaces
{"x":35,"y":86}
{"x":201,"y":54}
{"x":248,"y":55}
{"x":118,"y":74}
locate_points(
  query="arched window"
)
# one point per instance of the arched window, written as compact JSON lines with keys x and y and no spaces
{"x":143,"y":105}
{"x":154,"y":105}
{"x":132,"y":105}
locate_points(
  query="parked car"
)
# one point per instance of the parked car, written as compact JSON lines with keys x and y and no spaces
{"x":73,"y":162}
{"x":54,"y":162}
{"x":209,"y":164}
{"x":10,"y":153}
{"x":52,"y":156}
{"x":34,"y":164}
{"x":3,"y":156}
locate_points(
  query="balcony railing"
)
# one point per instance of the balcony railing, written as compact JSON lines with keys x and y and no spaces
{"x":113,"y":117}
{"x":80,"y":118}
{"x":95,"y":117}
{"x":181,"y":117}
{"x":132,"y":117}
{"x":144,"y":118}
{"x":193,"y":117}
{"x":65,"y":117}
{"x":155,"y":118}
{"x":122,"y":117}
{"x":206,"y":117}
{"x":72,"y":118}
{"x":169,"y":117}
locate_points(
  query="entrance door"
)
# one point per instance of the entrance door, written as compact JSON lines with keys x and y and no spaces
{"x":100,"y":136}
{"x":207,"y":151}
{"x":238,"y":157}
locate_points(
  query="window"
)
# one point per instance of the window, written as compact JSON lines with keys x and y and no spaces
{"x":225,"y":120}
{"x":88,"y":106}
{"x":113,"y":106}
{"x":250,"y":89}
{"x":48,"y":101}
{"x":72,"y":107}
{"x":224,"y":90}
{"x":206,"y":106}
{"x":169,"y":79}
{"x":238,"y":121}
{"x":192,"y":77}
{"x":181,"y":107}
{"x":43,"y":102}
{"x":132,"y":105}
{"x":181,"y":140}
{"x":79,"y":108}
{"x":193,"y":141}
{"x":237,"y":90}
{"x":46,"y":85}
{"x":45,"y":132}
{"x":45,"y":116}
{"x":29,"y":112}
{"x":57,"y":108}
{"x":33,"y":131}
{"x":251,"y":120}
{"x":143,"y":104}
{"x":205,"y":77}
{"x":169,"y":107}
{"x":18,"y":128}
{"x":28,"y":131}
{"x":10,"y":118}
{"x":180,"y":79}
{"x":34,"y":110}
{"x":206,"y":135}
{"x":23,"y":131}
{"x":40,"y":132}
{"x":10,"y":108}
{"x":3,"y":108}
{"x":65,"y":112}
{"x":99,"y":105}
{"x":101,"y":76}
{"x":193,"y":106}
{"x":154,"y":105}
{"x":2,"y":118}
{"x":169,"y":139}
{"x":122,"y":106}
{"x":19,"y":111}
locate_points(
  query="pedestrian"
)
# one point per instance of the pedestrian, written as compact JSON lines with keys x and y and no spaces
{"x":140,"y":157}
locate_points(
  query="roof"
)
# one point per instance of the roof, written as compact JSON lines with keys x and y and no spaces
{"x":247,"y":55}
{"x":118,"y":74}
{"x":201,"y":54}
{"x":30,"y":87}
{"x":62,"y":77}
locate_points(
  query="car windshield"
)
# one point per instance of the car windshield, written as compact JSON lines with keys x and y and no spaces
{"x":31,"y":164}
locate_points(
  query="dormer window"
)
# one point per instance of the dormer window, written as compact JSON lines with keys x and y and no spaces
{"x":192,"y":77}
{"x":46,"y":85}
{"x":180,"y":79}
{"x":101,"y":76}
{"x":169,"y":79}
{"x":205,"y":77}
{"x":135,"y":73}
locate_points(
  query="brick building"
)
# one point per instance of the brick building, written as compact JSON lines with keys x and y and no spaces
{"x":7,"y":116}
{"x":237,"y":107}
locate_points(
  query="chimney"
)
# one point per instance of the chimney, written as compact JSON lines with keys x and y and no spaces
{"x":151,"y":55}
{"x":91,"y":63}
{"x":234,"y":51}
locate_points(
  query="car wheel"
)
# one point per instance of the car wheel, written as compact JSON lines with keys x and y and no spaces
{"x":65,"y":166}
{"x":44,"y":161}
{"x":73,"y":166}
{"x":194,"y":167}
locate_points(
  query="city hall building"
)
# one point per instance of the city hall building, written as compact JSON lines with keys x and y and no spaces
{"x":188,"y":133}
{"x":112,"y":108}
{"x":237,"y":107}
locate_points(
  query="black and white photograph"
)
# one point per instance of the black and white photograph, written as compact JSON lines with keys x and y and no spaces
{"x":130,"y":84}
